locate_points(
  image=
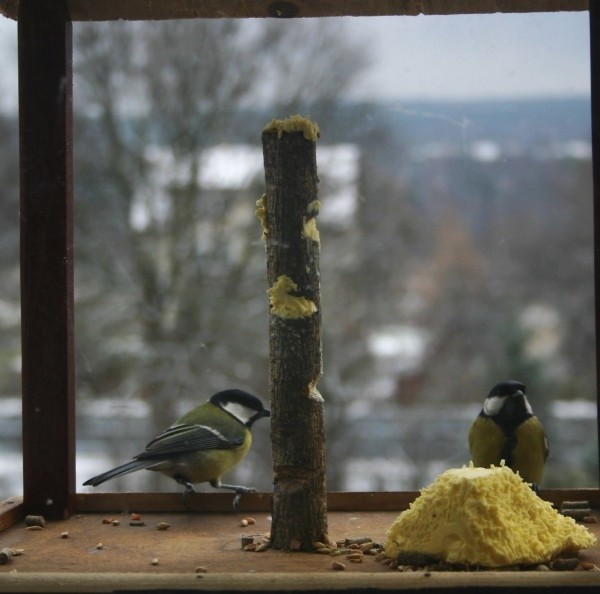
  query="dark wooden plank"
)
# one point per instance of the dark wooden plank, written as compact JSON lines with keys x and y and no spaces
{"x":45,"y":117}
{"x":110,"y":10}
{"x":261,"y":502}
{"x":595,"y":74}
{"x":355,"y":581}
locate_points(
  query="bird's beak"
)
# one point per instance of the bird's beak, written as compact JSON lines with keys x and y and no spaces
{"x":266,"y":413}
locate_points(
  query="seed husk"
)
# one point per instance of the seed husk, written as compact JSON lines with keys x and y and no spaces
{"x":574,"y":505}
{"x":35,"y":521}
{"x":5,"y":556}
{"x":565,"y":564}
{"x":338,"y":565}
{"x":163,"y":526}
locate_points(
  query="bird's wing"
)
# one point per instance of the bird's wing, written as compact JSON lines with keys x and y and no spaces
{"x":180,"y":439}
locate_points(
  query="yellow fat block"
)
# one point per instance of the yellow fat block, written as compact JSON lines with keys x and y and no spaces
{"x":285,"y":305}
{"x":295,"y":123}
{"x":484,"y":516}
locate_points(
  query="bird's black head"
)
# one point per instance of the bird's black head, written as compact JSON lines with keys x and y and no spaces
{"x":509,"y":388}
{"x":245,"y":407}
{"x":507,"y":405}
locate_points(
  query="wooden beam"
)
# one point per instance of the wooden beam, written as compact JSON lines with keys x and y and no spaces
{"x":45,"y":119}
{"x":111,"y":10}
{"x":384,"y":501}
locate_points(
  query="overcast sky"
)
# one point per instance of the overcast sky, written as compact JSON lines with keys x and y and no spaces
{"x":457,"y":57}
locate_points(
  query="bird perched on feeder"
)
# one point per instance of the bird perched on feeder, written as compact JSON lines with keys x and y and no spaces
{"x":202,"y":445}
{"x":506,"y":429}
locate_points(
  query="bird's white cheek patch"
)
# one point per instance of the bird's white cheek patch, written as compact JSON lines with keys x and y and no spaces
{"x":239,"y":411}
{"x":493,"y":405}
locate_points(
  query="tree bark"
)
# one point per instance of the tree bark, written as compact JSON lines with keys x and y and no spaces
{"x":297,"y":428}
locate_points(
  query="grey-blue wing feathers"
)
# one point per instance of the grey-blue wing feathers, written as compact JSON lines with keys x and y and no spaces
{"x":179,"y":439}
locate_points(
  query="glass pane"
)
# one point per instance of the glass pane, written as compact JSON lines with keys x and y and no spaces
{"x":11,"y":462}
{"x":455,"y":171}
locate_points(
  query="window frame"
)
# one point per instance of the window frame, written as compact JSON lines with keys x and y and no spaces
{"x":46,"y":177}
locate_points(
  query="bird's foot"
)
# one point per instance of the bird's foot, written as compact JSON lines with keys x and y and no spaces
{"x":238,"y":495}
{"x":189,"y":489}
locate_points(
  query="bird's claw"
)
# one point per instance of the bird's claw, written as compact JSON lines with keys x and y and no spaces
{"x":238,"y":495}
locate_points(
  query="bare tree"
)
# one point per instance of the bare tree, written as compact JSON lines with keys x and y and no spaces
{"x":173,"y":278}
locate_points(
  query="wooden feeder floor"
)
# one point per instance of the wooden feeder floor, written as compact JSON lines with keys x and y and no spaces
{"x":65,"y":556}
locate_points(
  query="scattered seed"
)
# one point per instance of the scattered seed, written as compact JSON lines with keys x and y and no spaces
{"x":565,"y":564}
{"x":154,"y":561}
{"x":163,"y":526}
{"x":542,"y":568}
{"x":250,"y":547}
{"x":358,"y":540}
{"x":115,"y":522}
{"x":324,"y":551}
{"x":574,"y":505}
{"x":367,"y":546}
{"x":5,"y":556}
{"x":576,"y":514}
{"x":295,"y":544}
{"x":135,"y":516}
{"x":33,"y":528}
{"x":35,"y":521}
{"x":356,"y":560}
{"x":263,"y":546}
{"x":353,"y":556}
{"x":589,"y":519}
{"x":99,"y":546}
{"x":250,"y":520}
{"x":318,"y":545}
{"x":201,"y":569}
{"x":64,"y":535}
{"x":17,"y":552}
{"x":337,"y":565}
{"x":108,"y":520}
{"x":587,"y":565}
{"x":244,"y":523}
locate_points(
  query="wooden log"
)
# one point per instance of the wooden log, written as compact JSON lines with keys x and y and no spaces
{"x":292,"y":240}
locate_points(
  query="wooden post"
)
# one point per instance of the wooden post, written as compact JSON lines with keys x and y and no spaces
{"x":45,"y":116}
{"x":288,"y":212}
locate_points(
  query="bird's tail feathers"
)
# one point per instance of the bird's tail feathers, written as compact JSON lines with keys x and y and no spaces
{"x":118,"y":471}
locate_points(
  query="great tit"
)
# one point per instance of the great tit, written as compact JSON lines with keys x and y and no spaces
{"x":202,"y":445}
{"x":506,"y":429}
